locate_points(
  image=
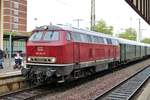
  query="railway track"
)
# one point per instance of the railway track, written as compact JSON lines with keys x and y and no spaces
{"x":127,"y":89}
{"x":25,"y":94}
{"x":35,"y":92}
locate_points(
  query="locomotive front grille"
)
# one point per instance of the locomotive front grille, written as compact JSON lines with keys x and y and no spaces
{"x":42,"y":59}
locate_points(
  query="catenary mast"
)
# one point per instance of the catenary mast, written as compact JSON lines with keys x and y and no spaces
{"x":92,"y":14}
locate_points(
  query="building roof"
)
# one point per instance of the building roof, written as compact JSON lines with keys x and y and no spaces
{"x":142,"y":7}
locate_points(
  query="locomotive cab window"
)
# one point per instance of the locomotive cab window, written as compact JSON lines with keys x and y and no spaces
{"x":51,"y":36}
{"x":68,"y":36}
{"x":36,"y":36}
{"x":76,"y":37}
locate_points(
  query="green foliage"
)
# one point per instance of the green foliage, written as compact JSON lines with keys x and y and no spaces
{"x":12,"y":33}
{"x":129,"y":34}
{"x":146,"y":40}
{"x":101,"y":26}
{"x":29,"y":33}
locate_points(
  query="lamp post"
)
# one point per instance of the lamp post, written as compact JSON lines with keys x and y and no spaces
{"x":10,"y":48}
{"x":10,"y":35}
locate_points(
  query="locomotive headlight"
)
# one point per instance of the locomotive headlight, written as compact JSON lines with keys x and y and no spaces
{"x":29,"y":59}
{"x":53,"y":60}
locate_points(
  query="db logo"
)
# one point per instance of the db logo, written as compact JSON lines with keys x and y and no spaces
{"x":39,"y":48}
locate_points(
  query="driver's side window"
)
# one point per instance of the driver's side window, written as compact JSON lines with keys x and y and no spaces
{"x":68,"y":36}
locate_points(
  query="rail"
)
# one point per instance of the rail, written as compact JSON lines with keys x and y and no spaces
{"x":127,"y":89}
{"x":24,"y":94}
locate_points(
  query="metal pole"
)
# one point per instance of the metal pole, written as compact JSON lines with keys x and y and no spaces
{"x":78,"y":22}
{"x":92,"y":14}
{"x":139,"y":33}
{"x":10,"y":35}
{"x":10,"y":47}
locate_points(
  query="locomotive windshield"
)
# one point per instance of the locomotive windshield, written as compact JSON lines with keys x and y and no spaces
{"x":36,"y":36}
{"x":45,"y":36}
{"x":51,"y":36}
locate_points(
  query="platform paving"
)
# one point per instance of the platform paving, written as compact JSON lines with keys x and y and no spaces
{"x":8,"y":67}
{"x":145,"y":95}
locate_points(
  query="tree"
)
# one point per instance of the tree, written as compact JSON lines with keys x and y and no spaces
{"x":12,"y":33}
{"x":29,"y":33}
{"x":146,"y":40}
{"x":101,"y":26}
{"x":129,"y":34}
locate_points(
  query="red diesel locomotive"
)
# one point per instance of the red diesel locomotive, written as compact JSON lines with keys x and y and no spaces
{"x":63,"y":53}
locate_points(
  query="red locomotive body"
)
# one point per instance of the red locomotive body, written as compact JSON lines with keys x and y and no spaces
{"x":63,"y":53}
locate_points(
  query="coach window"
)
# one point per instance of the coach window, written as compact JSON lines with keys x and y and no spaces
{"x":68,"y":36}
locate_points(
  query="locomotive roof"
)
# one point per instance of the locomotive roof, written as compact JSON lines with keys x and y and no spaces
{"x":72,"y":29}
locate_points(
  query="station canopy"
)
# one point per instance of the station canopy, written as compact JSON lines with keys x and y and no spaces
{"x":142,"y":7}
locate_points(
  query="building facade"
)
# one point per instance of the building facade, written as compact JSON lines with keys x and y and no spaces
{"x":13,"y":15}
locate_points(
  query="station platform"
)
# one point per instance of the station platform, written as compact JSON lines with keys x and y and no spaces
{"x":10,"y":74}
{"x":10,"y":79}
{"x":145,"y":93}
{"x":8,"y":69}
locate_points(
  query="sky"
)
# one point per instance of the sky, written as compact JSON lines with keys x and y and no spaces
{"x":116,"y":13}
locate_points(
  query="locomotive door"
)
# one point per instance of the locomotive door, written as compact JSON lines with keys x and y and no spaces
{"x":76,"y":52}
{"x":76,"y":49}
